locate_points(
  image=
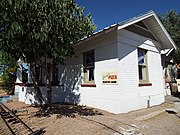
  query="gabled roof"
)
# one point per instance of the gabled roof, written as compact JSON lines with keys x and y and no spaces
{"x":152,"y":22}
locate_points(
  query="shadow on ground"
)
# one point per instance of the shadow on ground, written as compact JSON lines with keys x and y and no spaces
{"x":41,"y":131}
{"x":177,"y":94}
{"x":67,"y":111}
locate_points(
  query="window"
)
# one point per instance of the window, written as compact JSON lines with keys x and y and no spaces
{"x":55,"y":75}
{"x":89,"y":67}
{"x":24,"y":73}
{"x":142,"y":65}
{"x":38,"y":71}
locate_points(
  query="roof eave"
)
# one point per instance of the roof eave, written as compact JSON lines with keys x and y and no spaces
{"x":99,"y":33}
{"x":147,"y":15}
{"x":165,"y":32}
{"x":136,"y":19}
{"x":125,"y":24}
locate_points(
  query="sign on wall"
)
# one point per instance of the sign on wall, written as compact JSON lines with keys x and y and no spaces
{"x":109,"y":78}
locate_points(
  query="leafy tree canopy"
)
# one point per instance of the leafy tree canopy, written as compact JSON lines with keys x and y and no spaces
{"x":36,"y":29}
{"x":171,"y":22}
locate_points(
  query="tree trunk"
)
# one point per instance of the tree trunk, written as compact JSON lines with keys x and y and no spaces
{"x":49,"y":90}
{"x":38,"y":93}
{"x":48,"y":70}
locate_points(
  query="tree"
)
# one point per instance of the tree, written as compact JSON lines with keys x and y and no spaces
{"x":8,"y":76}
{"x":38,"y":31}
{"x":171,"y":22}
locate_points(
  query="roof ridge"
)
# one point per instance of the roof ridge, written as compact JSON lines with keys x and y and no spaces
{"x":136,"y":17}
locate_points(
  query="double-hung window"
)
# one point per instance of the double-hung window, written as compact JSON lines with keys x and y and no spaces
{"x":142,"y":65}
{"x":89,"y":67}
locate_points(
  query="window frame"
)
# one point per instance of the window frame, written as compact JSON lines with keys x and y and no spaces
{"x":86,"y":68}
{"x":144,"y":65}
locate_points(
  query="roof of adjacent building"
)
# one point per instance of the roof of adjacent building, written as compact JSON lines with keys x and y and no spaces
{"x":152,"y":22}
{"x":167,"y":52}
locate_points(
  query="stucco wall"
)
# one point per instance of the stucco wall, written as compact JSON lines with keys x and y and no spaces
{"x":114,"y":52}
{"x":27,"y":94}
{"x":147,"y":95}
{"x":127,"y":95}
{"x":118,"y":53}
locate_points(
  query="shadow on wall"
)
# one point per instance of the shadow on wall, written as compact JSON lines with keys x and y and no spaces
{"x":129,"y":48}
{"x":31,"y":98}
{"x":71,"y":79}
{"x":124,"y":47}
{"x":129,"y":41}
{"x":66,"y":92}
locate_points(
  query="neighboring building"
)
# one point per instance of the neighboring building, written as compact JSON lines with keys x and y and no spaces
{"x":118,"y":69}
{"x":167,"y":57}
{"x":2,"y":69}
{"x":169,"y":71}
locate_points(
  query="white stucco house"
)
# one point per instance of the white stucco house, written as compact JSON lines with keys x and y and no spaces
{"x":118,"y":69}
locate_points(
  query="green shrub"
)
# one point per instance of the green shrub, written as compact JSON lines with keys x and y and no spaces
{"x":8,"y":80}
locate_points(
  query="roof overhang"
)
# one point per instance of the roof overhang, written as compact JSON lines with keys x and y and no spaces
{"x":99,"y":33}
{"x":150,"y":19}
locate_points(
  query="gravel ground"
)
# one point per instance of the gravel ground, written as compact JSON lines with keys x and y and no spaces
{"x":82,"y":120}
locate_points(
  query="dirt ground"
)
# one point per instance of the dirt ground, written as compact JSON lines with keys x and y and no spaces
{"x":82,"y":120}
{"x":2,"y":92}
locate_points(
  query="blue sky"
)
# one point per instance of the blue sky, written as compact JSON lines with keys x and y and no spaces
{"x":107,"y":12}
